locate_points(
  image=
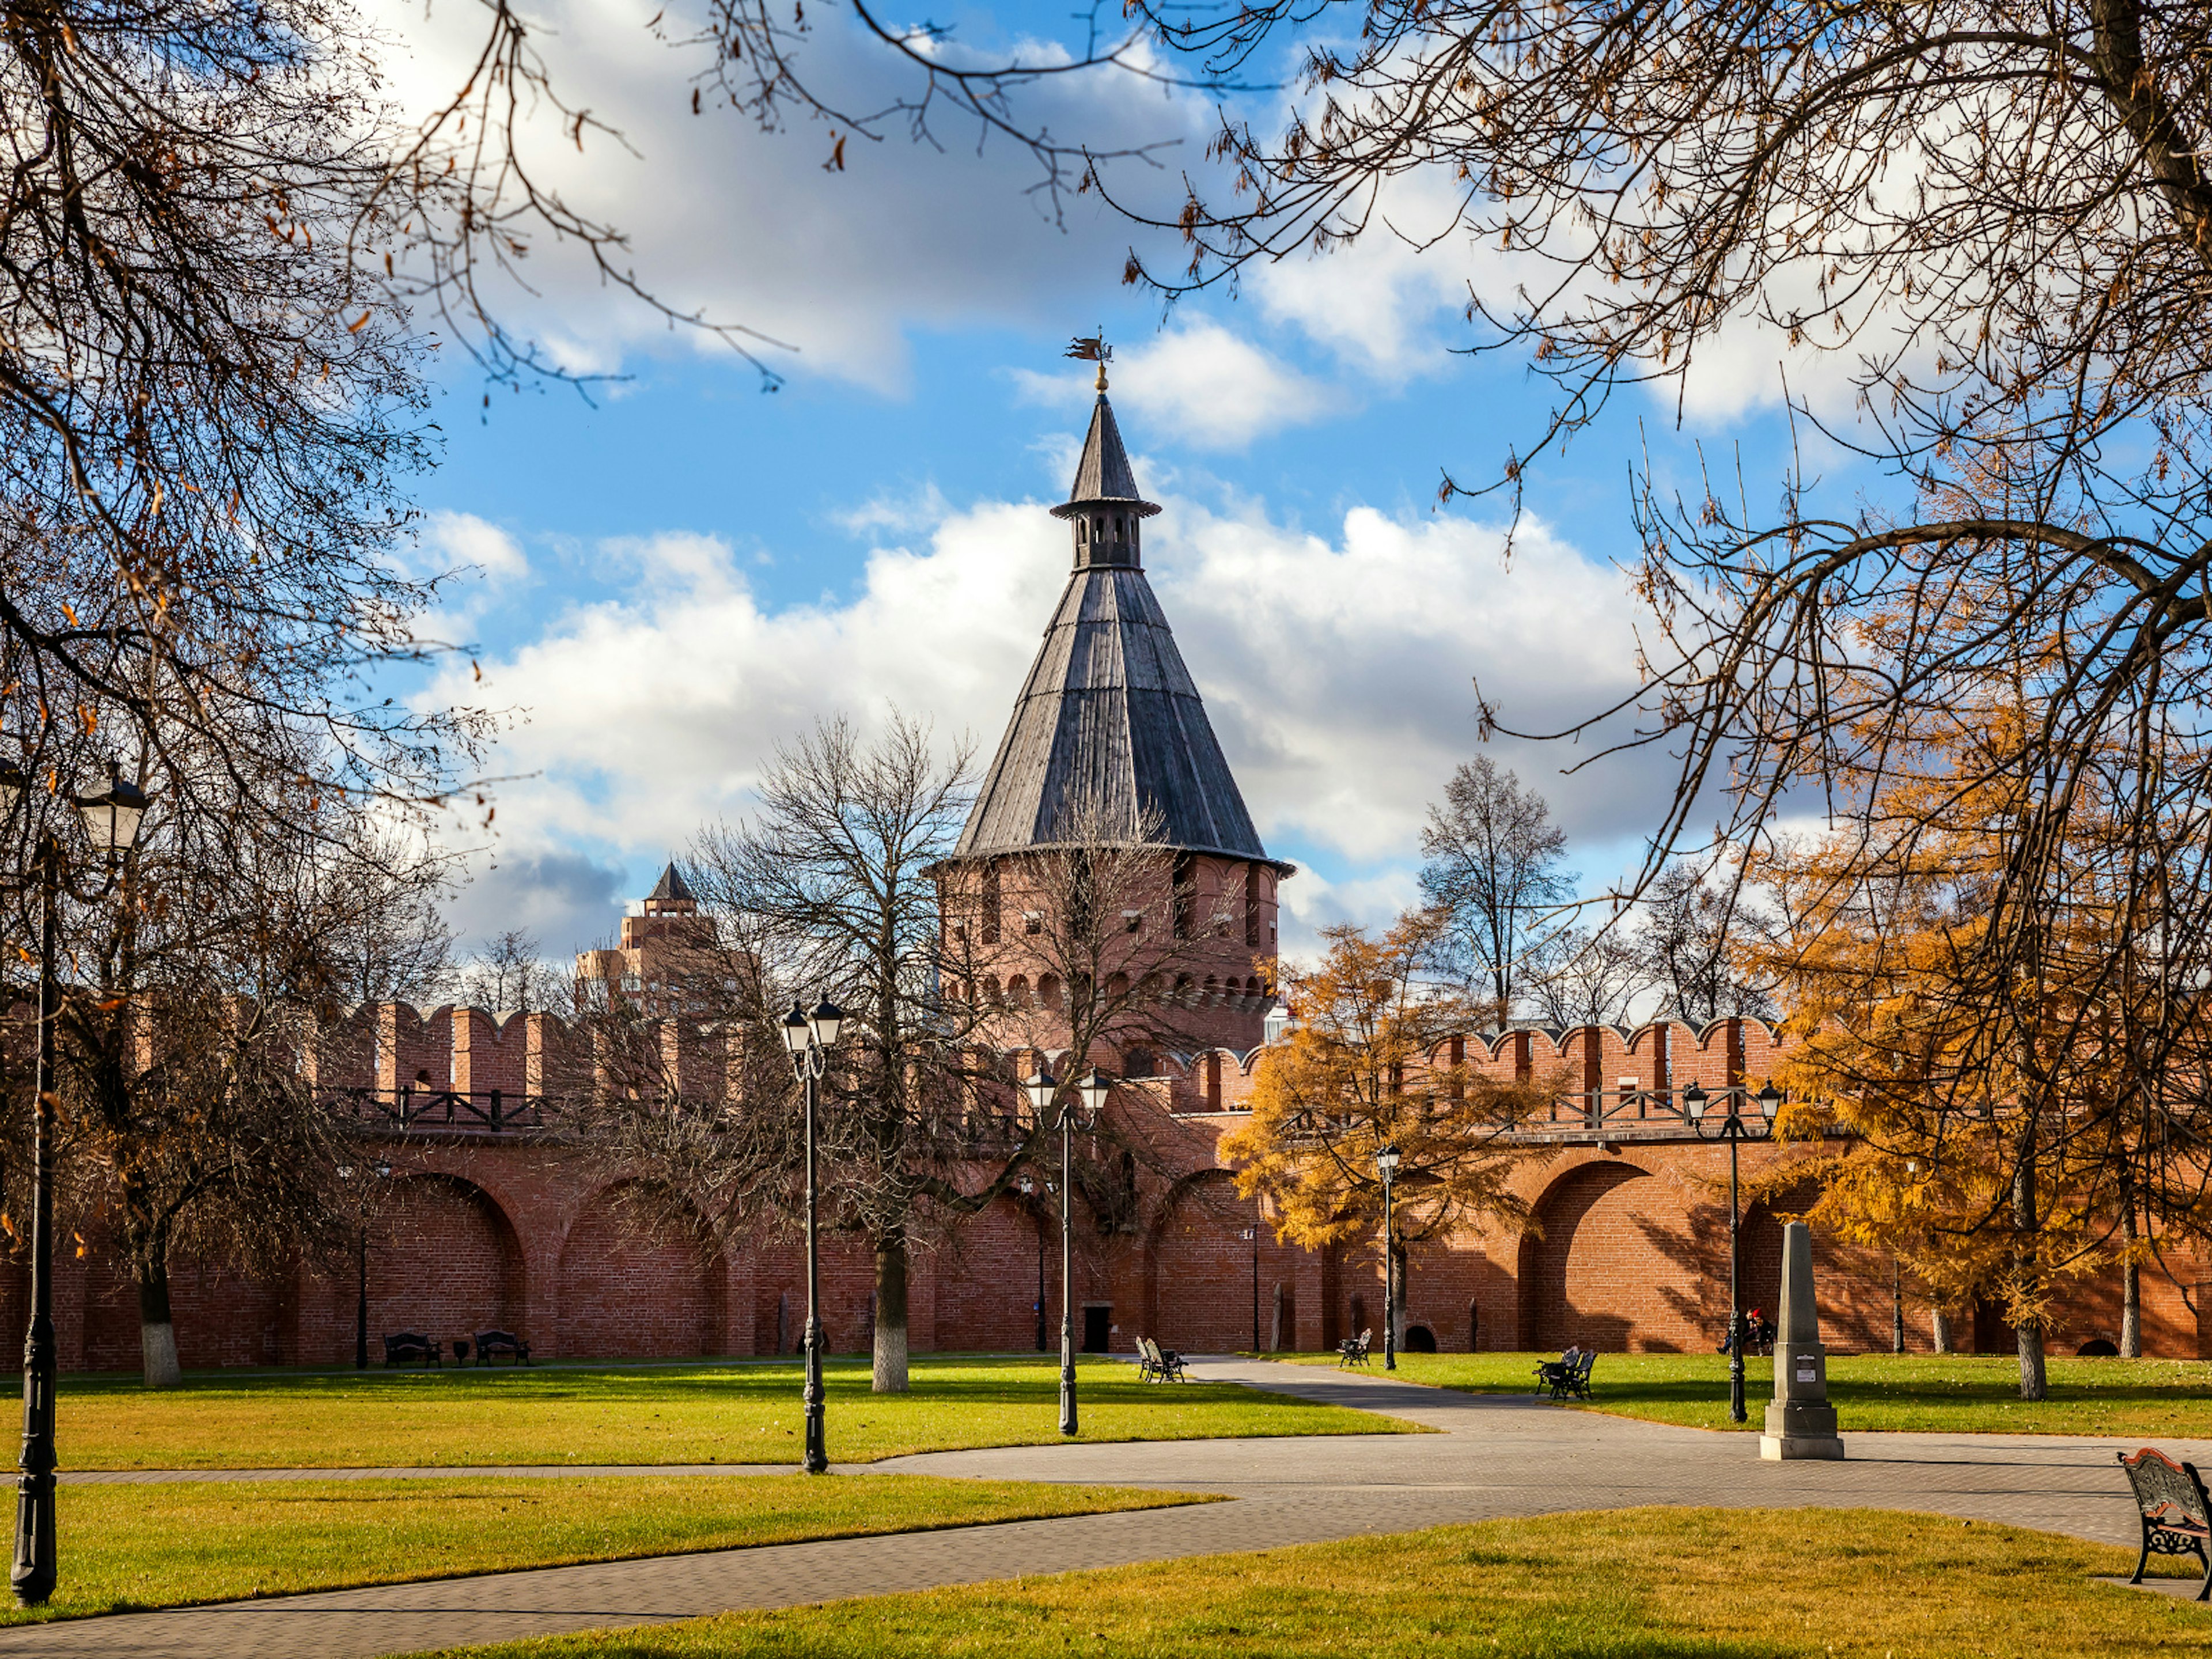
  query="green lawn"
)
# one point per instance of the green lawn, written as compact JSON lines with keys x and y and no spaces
{"x":1630,"y":1584}
{"x":710,"y":1412}
{"x":1953,"y":1393}
{"x":199,"y":1541}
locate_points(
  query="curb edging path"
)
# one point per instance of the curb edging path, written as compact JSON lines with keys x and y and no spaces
{"x":1498,"y":1455}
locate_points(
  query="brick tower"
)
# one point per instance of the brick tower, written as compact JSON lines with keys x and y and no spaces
{"x":662,"y":951}
{"x":1110,"y":743}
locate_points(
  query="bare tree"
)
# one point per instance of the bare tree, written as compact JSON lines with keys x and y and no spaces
{"x":193,"y":1126}
{"x":382,"y":933}
{"x":190,"y":996}
{"x":1987,"y":226}
{"x":836,"y":869}
{"x":207,"y":410}
{"x":1591,"y":979}
{"x":231,"y":260}
{"x":1689,"y":947}
{"x":508,"y":973}
{"x":1493,"y":868}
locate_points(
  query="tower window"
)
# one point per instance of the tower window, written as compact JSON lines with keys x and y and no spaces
{"x":1032,"y":922}
{"x":1133,"y":921}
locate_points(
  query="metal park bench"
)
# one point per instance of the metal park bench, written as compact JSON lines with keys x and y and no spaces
{"x":1567,"y":1379}
{"x":489,"y":1343}
{"x":1158,"y":1364}
{"x":2176,"y":1514}
{"x":402,"y":1347}
{"x":1352,"y":1351}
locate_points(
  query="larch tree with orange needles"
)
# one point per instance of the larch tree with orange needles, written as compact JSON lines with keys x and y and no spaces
{"x":2017,"y":1118}
{"x":1367,"y":1064}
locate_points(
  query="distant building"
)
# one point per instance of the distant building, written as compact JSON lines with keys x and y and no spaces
{"x":667,"y":950}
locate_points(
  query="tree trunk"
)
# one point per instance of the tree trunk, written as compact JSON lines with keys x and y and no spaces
{"x":1940,"y":1331}
{"x":890,"y":1314}
{"x":157,"y":1335}
{"x":2130,"y":1283}
{"x":2034,"y":1385}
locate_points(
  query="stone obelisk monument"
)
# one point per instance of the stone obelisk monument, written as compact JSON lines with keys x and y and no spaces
{"x":1800,"y":1423}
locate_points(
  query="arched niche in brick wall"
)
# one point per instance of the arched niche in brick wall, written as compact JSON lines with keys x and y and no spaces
{"x":639,"y":1279}
{"x":444,"y":1259}
{"x":1574,"y":1275}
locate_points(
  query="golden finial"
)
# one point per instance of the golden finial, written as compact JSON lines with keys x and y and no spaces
{"x":1093,"y":349}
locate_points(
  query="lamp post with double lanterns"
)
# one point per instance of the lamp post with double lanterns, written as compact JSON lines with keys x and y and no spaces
{"x":1732,"y":1128}
{"x":110,"y":822}
{"x":809,"y":1037}
{"x":1386,"y":1165}
{"x":1042,"y":1088}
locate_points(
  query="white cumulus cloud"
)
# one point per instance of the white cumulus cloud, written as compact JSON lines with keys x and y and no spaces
{"x":1337,"y":670}
{"x":1198,"y":382}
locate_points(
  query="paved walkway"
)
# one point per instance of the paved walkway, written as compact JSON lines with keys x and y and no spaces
{"x":1497,"y":1457}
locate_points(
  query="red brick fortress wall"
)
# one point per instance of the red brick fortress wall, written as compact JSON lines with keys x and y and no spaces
{"x":526,"y":1230}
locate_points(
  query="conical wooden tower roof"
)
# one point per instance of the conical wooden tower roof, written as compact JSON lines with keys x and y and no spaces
{"x":1110,"y":713}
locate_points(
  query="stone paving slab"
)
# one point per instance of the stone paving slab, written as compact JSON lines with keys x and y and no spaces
{"x":2181,"y":1590}
{"x":1496,"y":1456}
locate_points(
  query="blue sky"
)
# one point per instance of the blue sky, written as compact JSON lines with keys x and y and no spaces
{"x":672,"y":577}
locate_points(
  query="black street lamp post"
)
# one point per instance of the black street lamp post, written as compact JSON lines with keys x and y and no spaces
{"x":1733,"y":1129}
{"x":1386,"y":1164}
{"x":360,"y":1273}
{"x":1028,"y":1189}
{"x":810,"y":1038}
{"x":1253,"y":1235}
{"x":111,"y":824}
{"x":361,"y":1299}
{"x":1042,"y":1087}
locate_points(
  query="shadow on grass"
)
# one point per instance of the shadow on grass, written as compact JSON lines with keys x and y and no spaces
{"x":978,"y":1381}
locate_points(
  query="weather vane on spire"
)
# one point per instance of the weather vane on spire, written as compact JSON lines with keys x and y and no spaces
{"x":1093,"y":349}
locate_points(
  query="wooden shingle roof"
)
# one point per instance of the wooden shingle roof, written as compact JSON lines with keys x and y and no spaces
{"x":1104,"y":478}
{"x":1109,"y":714}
